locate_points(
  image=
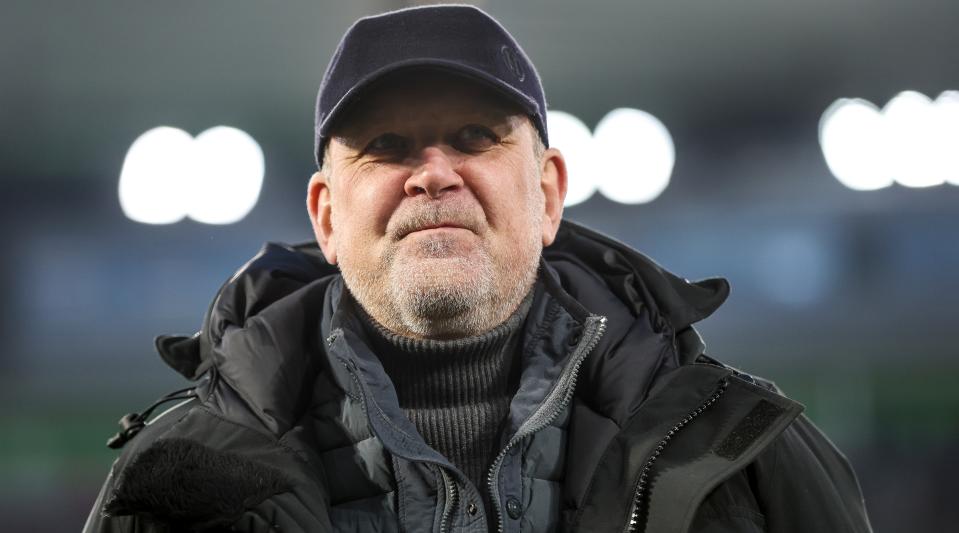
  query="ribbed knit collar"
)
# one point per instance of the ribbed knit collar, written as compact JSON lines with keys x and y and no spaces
{"x":473,"y":367}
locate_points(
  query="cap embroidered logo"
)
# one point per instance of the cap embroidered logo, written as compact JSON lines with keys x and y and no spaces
{"x":513,"y":63}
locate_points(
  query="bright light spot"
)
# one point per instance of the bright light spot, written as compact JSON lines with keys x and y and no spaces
{"x":151,"y":181}
{"x":852,"y":137}
{"x":634,"y":155}
{"x":913,"y":141}
{"x":573,"y":138}
{"x":910,"y":123}
{"x":947,"y":109}
{"x":227,"y":176}
{"x":214,"y":179}
{"x":629,"y":158}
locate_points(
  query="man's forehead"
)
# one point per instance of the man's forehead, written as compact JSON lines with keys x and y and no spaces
{"x":414,"y":94}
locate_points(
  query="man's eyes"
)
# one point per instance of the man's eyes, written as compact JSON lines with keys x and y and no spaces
{"x":473,"y":138}
{"x":468,"y":139}
{"x":388,"y":143}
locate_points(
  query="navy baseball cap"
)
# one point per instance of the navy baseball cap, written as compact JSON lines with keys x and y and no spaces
{"x":459,"y":39}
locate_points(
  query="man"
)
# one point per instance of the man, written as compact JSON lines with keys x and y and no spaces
{"x":432,"y":367}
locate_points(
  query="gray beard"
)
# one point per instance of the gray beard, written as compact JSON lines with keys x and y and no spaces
{"x":436,"y":302}
{"x":453,"y":297}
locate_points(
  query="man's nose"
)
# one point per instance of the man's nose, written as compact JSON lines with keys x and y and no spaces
{"x":434,"y":176}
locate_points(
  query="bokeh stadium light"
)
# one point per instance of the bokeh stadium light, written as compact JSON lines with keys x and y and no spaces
{"x":913,"y":141}
{"x":168,"y":175}
{"x":629,"y":158}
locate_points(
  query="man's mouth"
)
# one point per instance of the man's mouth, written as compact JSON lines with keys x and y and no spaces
{"x":441,"y":225}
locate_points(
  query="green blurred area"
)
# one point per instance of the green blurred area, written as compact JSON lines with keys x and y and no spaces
{"x":57,"y":442}
{"x":910,"y":403}
{"x":53,"y":441}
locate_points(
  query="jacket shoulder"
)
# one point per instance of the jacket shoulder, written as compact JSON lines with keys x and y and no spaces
{"x":807,"y":484}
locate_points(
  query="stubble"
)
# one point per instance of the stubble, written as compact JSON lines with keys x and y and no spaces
{"x":443,"y":286}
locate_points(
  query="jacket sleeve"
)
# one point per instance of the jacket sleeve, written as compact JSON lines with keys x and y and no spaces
{"x":284,"y":512}
{"x":803,"y":483}
{"x":98,"y":522}
{"x":192,"y":470}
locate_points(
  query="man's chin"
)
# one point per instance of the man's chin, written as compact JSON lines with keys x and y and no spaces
{"x":443,"y":243}
{"x":444,"y":275}
{"x":456,"y":262}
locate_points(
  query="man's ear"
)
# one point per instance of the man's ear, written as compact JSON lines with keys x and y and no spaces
{"x":553,"y":183}
{"x":318,"y":204}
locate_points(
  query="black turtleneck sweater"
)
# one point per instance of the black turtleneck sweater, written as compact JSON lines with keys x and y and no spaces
{"x":456,"y":392}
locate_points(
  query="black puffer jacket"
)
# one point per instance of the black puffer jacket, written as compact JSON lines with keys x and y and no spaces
{"x":621,"y":423}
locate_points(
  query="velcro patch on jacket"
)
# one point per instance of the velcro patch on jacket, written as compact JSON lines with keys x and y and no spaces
{"x":748,"y":429}
{"x":178,"y":481}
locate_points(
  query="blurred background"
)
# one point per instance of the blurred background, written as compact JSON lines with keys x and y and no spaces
{"x":837,"y":231}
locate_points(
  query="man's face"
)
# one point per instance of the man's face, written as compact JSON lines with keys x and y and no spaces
{"x":437,"y":205}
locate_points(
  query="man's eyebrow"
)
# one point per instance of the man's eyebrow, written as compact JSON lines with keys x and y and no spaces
{"x":354,"y":126}
{"x":352,"y":141}
{"x":357,"y":129}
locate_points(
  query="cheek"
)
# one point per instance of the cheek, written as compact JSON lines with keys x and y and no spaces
{"x":352,"y":226}
{"x":366,"y":203}
{"x":512,"y":202}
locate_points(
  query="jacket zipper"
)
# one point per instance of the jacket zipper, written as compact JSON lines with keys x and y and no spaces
{"x":594,"y":329}
{"x":551,"y":408}
{"x":641,"y":493}
{"x":452,"y":498}
{"x":452,"y":492}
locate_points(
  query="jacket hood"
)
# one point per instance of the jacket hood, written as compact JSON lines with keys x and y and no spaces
{"x":273,"y":274}
{"x":635,"y":279}
{"x":649,"y":314}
